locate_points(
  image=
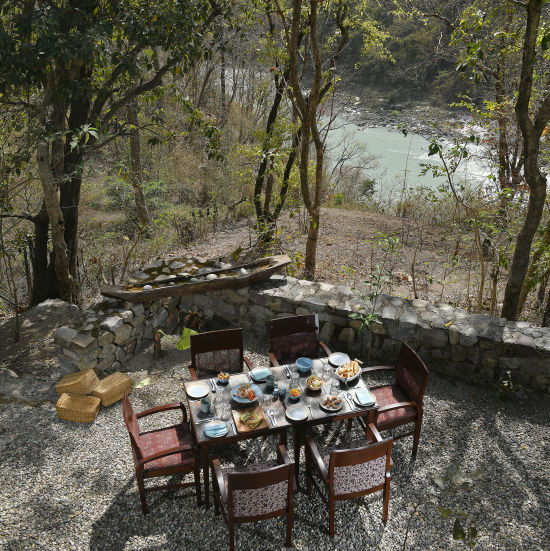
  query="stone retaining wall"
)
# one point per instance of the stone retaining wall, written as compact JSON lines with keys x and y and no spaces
{"x":473,"y":347}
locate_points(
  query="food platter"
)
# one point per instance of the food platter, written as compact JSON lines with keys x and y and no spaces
{"x":297,"y":412}
{"x":324,"y":404}
{"x":197,"y":390}
{"x":241,"y":399}
{"x":348,"y":372}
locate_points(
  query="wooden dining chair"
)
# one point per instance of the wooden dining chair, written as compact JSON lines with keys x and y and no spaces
{"x":295,"y":336}
{"x":401,"y":402}
{"x":351,"y":470}
{"x":216,"y":351}
{"x":254,"y":492}
{"x":161,"y":452}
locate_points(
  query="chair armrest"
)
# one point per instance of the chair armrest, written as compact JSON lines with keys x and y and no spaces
{"x":248,"y":363}
{"x":371,"y":428}
{"x":398,"y":405}
{"x":282,"y":456}
{"x":218,"y":477}
{"x":325,"y":348}
{"x":274,"y":360}
{"x":377,"y":368}
{"x":194,"y":375}
{"x":170,"y":451}
{"x":317,"y":461}
{"x":166,"y":407}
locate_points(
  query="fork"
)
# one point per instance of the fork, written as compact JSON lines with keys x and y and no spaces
{"x":348,"y":397}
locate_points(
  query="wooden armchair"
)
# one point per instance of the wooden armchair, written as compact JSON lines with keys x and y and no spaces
{"x":294,"y":336}
{"x":401,"y":403}
{"x":254,"y":492}
{"x":216,"y":351}
{"x":361,"y":468}
{"x":161,"y":452}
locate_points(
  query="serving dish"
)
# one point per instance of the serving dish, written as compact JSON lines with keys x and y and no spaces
{"x":241,"y":399}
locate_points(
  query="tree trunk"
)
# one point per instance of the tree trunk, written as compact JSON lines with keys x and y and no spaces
{"x":66,"y":283}
{"x":311,"y":245}
{"x":43,"y":273}
{"x":531,"y":133}
{"x":223,"y":119}
{"x":546,"y":315}
{"x":136,"y":172}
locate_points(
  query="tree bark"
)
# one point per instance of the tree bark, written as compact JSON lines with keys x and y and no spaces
{"x":136,"y":172}
{"x":531,"y":132}
{"x":43,"y":273}
{"x":66,"y":283}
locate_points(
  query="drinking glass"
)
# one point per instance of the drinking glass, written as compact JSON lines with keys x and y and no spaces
{"x":327,"y":373}
{"x":219,"y":403}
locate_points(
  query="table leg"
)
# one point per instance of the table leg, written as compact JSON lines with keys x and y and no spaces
{"x":283,"y":437}
{"x":205,"y":474}
{"x":297,"y":448}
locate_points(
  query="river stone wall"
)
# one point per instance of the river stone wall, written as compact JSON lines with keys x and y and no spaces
{"x":472,"y":347}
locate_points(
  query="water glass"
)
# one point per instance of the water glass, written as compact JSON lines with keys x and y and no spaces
{"x":327,"y":373}
{"x":219,"y":403}
{"x":225,"y":411}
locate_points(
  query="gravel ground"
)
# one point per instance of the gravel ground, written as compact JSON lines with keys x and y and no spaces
{"x":71,"y":486}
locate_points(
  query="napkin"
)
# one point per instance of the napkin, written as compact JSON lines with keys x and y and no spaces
{"x":260,"y":373}
{"x":216,"y":428}
{"x":364,"y":397}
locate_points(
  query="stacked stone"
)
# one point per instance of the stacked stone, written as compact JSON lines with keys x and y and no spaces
{"x":473,"y":347}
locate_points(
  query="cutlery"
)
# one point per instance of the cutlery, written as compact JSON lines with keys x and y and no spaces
{"x":348,"y":397}
{"x":213,"y":385}
{"x":287,"y":371}
{"x":201,"y":421}
{"x":310,"y":411}
{"x":271,"y":413}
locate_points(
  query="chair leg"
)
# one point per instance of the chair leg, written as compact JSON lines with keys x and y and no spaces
{"x":197,"y":475}
{"x":331,"y":516}
{"x":308,"y":472}
{"x":231,"y":529}
{"x":141,"y":488}
{"x":386,"y":501}
{"x":289,"y":527}
{"x":349,"y":424}
{"x":417,"y":428}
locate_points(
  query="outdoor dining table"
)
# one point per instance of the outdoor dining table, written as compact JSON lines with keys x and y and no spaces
{"x":309,"y":399}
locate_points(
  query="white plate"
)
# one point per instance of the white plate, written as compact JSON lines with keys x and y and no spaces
{"x":217,"y":435}
{"x":356,"y":400}
{"x":197,"y":390}
{"x":297,"y":412}
{"x":336,"y":359}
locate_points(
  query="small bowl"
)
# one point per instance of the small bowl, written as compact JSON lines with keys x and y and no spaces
{"x":293,"y":398}
{"x":223,"y":381}
{"x":304,"y":364}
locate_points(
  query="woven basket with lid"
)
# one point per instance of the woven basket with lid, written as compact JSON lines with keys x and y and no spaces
{"x":112,"y":388}
{"x":78,"y":408}
{"x":81,"y":382}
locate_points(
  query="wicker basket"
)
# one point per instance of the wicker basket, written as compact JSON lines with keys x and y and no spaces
{"x":112,"y":388}
{"x":76,"y":407}
{"x":81,"y":382}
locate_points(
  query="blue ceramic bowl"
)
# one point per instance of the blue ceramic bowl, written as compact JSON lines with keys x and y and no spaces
{"x":304,"y":364}
{"x":223,"y":381}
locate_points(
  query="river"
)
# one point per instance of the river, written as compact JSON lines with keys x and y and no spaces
{"x":389,"y":156}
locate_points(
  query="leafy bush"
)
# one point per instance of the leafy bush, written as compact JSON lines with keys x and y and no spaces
{"x":121,"y":196}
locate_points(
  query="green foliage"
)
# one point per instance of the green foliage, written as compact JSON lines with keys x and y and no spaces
{"x":185,"y":340}
{"x":121,"y":196}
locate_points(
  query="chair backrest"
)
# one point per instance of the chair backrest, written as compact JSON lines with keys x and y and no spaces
{"x":360,"y":470}
{"x":294,"y":336}
{"x":131,"y":421}
{"x":216,"y":351}
{"x":260,"y":494}
{"x":411,"y":373}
